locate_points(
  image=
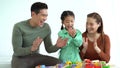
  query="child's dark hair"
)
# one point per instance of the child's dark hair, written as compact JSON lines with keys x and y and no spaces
{"x":64,"y":15}
{"x":37,"y":6}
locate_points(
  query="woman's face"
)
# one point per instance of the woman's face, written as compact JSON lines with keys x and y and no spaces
{"x":69,"y":22}
{"x":91,"y":25}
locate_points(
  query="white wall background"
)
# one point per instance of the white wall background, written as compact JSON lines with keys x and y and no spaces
{"x":14,"y":11}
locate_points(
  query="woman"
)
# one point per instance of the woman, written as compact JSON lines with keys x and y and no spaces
{"x":96,"y":44}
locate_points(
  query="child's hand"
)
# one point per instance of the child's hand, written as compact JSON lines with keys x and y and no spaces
{"x":72,"y":32}
{"x":61,"y":42}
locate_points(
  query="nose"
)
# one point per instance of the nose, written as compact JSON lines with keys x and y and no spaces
{"x":70,"y":23}
{"x":88,"y":26}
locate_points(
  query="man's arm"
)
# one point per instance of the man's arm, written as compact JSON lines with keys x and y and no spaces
{"x":48,"y":44}
{"x":17,"y":41}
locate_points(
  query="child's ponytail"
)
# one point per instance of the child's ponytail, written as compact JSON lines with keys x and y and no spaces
{"x":62,"y":27}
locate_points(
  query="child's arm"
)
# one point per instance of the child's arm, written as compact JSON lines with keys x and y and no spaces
{"x":77,"y":40}
{"x":62,"y":34}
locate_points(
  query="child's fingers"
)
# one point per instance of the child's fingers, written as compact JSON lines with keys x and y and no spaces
{"x":74,"y":31}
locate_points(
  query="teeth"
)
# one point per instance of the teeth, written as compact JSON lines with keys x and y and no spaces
{"x":71,"y":27}
{"x":40,"y":23}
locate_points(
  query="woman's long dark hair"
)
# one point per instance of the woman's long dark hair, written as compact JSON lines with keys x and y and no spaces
{"x":64,"y":15}
{"x":98,"y":21}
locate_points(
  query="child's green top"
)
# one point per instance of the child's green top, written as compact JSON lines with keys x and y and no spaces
{"x":70,"y":52}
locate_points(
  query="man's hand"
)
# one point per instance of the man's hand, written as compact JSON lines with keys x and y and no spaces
{"x":36,"y":43}
{"x":61,"y":42}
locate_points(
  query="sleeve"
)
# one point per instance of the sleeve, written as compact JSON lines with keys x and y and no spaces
{"x":48,"y":43}
{"x":105,"y":55}
{"x":81,"y":53}
{"x":77,"y":40}
{"x":61,"y":34}
{"x":17,"y":41}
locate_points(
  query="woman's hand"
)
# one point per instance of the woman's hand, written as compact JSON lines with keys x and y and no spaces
{"x":85,"y":44}
{"x":98,"y":50}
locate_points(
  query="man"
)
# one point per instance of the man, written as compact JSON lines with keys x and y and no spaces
{"x":27,"y":37}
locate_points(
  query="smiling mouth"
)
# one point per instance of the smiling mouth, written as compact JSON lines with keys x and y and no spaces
{"x":70,"y":27}
{"x":40,"y":23}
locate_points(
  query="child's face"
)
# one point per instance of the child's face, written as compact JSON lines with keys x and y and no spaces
{"x":69,"y":22}
{"x":91,"y":25}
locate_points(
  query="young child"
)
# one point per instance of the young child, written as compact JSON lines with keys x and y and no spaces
{"x":70,"y":52}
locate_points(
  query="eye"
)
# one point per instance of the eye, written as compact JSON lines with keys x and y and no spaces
{"x":91,"y":24}
{"x":44,"y":15}
{"x":67,"y":21}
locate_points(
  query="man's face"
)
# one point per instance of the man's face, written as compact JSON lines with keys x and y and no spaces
{"x":40,"y":18}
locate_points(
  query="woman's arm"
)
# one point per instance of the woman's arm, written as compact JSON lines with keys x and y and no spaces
{"x":105,"y":55}
{"x":83,"y":48}
{"x":48,"y":43}
{"x":82,"y":53}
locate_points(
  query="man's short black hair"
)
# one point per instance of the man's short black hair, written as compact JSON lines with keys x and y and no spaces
{"x":37,"y":6}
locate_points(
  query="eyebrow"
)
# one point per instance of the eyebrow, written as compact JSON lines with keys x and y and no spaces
{"x":44,"y":14}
